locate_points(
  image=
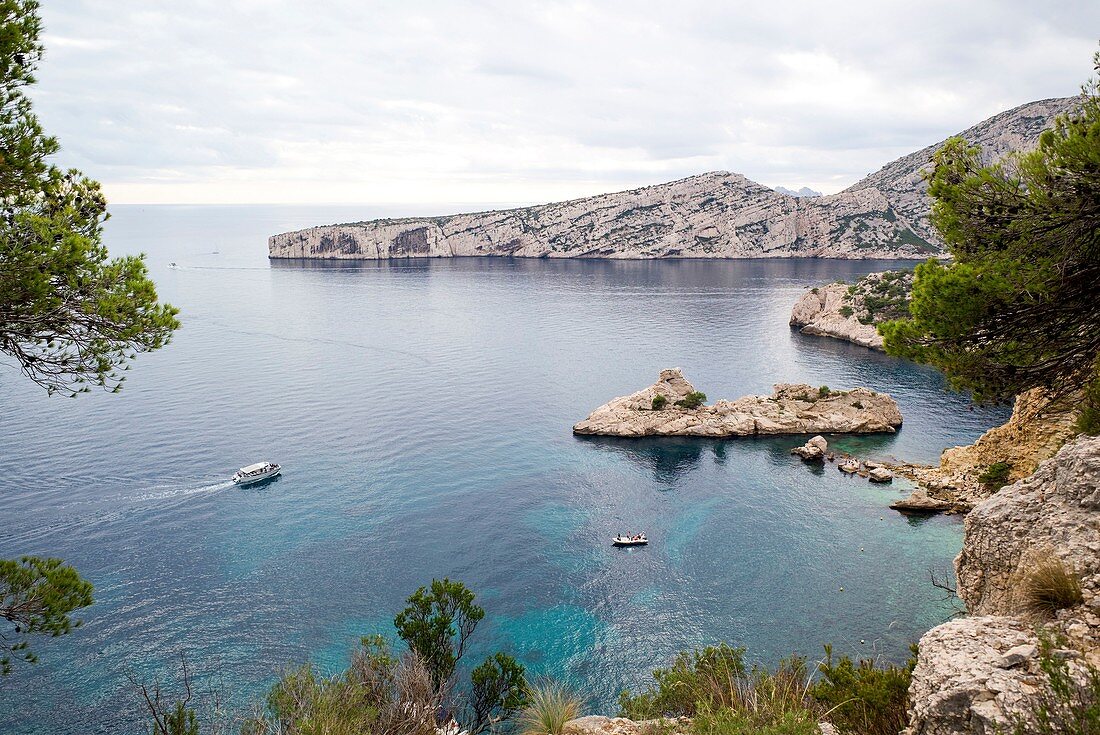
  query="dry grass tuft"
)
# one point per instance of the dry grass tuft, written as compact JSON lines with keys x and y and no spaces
{"x":1048,"y":587}
{"x":549,"y":707}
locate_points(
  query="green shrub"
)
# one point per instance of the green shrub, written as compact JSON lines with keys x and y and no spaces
{"x":846,"y":311}
{"x":857,"y":404}
{"x":549,"y":707}
{"x":1088,"y":422}
{"x":659,"y":402}
{"x":996,"y":475}
{"x":862,"y":698}
{"x":1048,"y":587}
{"x":692,"y":400}
{"x":823,"y":391}
{"x":748,"y":722}
{"x":815,"y":291}
{"x":694,"y":677}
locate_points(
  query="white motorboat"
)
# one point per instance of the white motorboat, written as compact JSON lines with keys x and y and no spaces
{"x":639,"y":540}
{"x":256,"y":473}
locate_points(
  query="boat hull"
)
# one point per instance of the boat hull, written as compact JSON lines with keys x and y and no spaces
{"x":258,"y":478}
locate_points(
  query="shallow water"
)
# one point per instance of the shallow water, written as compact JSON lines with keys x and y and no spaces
{"x":421,"y":411}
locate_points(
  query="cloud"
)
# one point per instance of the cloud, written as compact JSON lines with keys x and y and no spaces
{"x":479,"y":101}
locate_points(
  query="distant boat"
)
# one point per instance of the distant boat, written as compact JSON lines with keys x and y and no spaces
{"x":173,"y":265}
{"x":256,"y":473}
{"x":639,"y":540}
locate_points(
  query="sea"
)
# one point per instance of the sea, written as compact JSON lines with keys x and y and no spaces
{"x":421,"y":410}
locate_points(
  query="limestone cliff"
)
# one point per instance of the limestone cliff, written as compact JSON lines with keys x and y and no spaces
{"x":976,"y":675}
{"x":713,"y":215}
{"x":791,"y":409}
{"x":1035,"y":431}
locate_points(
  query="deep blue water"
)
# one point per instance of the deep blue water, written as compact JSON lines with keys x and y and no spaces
{"x":422,"y":412}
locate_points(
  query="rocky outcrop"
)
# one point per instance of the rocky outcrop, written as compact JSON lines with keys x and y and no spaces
{"x":973,"y":677}
{"x":1035,"y":431}
{"x":854,"y":312}
{"x":713,"y":215}
{"x":818,"y":313}
{"x":791,"y":409}
{"x":978,"y":674}
{"x":1054,"y":513}
{"x":813,"y":450}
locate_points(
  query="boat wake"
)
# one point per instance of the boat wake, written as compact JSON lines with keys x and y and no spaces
{"x":175,"y":492}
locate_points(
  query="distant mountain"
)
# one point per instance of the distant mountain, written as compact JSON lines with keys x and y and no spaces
{"x":712,"y":215}
{"x":805,"y":191}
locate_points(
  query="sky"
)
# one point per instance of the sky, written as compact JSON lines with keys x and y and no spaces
{"x":408,"y":101}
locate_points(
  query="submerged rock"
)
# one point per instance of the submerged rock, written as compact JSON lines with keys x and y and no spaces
{"x":791,"y":409}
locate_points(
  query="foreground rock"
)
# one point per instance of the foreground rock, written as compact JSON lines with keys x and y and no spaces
{"x":713,"y":215}
{"x":966,"y":681}
{"x":1036,"y":430}
{"x":791,"y":409}
{"x":978,"y":675}
{"x":600,"y":725}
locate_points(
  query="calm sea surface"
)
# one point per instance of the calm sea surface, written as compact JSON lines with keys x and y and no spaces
{"x":422,"y":413}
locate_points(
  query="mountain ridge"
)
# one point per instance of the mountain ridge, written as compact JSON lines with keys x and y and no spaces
{"x":717,"y":214}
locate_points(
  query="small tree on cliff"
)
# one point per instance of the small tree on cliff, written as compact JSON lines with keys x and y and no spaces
{"x":1017,"y":308}
{"x":70,"y":316}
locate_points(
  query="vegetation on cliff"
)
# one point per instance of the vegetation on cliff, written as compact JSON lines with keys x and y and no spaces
{"x":1017,"y":307}
{"x":723,"y":696}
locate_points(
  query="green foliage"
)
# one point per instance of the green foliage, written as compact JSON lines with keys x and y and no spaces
{"x":714,"y":688}
{"x":437,"y":623}
{"x":1016,"y":308}
{"x":846,"y":311}
{"x":823,"y":392}
{"x":692,"y":400}
{"x":36,"y":598}
{"x":549,"y":706}
{"x":180,"y":721}
{"x":498,"y":692}
{"x":755,"y":722}
{"x":996,"y":475}
{"x":694,"y":677}
{"x":1048,"y":587}
{"x":659,"y":401}
{"x":1088,"y":421}
{"x":70,"y":316}
{"x":1069,"y":704}
{"x":377,"y":693}
{"x":862,"y":698}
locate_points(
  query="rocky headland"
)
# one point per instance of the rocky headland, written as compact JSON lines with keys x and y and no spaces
{"x":712,"y":215}
{"x":853,"y":312}
{"x":791,"y":409}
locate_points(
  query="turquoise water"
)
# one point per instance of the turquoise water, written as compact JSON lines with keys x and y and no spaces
{"x":421,"y":411}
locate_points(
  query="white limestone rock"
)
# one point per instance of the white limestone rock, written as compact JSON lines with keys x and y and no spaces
{"x":791,"y":409}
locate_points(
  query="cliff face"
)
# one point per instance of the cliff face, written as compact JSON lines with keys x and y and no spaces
{"x":977,"y":675}
{"x":713,"y":215}
{"x":853,"y":313}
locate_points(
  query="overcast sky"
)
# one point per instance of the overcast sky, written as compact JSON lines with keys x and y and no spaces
{"x":511,"y":101}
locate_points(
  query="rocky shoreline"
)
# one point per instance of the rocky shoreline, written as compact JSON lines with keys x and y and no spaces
{"x":659,"y":410}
